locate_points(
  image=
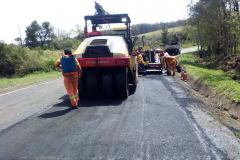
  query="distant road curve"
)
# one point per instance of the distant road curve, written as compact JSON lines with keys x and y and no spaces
{"x":186,"y":50}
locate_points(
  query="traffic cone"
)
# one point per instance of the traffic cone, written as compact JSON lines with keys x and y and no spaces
{"x":184,"y":77}
{"x":182,"y":72}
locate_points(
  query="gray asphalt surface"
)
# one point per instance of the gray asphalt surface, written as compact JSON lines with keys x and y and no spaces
{"x":153,"y":123}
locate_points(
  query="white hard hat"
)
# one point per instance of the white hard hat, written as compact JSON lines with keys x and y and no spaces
{"x":166,"y":55}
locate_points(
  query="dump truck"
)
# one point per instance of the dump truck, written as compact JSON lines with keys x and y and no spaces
{"x":108,"y":62}
{"x":173,"y":48}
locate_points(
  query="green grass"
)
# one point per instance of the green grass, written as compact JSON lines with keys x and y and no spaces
{"x":216,"y":78}
{"x":159,"y":32}
{"x":188,"y":45}
{"x":12,"y":83}
{"x":237,"y":134}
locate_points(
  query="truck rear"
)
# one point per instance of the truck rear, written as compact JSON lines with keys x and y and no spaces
{"x":173,"y":48}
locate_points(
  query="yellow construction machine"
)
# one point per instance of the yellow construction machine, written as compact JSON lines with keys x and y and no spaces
{"x":148,"y":57}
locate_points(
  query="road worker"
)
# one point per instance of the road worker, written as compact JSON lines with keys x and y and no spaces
{"x":71,"y":71}
{"x":161,"y":54}
{"x":94,"y":32}
{"x":141,"y":63}
{"x":171,"y":62}
{"x":165,"y":53}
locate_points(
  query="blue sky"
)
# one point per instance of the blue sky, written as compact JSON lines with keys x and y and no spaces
{"x":66,"y":14}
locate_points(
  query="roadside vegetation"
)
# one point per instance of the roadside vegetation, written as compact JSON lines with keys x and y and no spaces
{"x":7,"y":84}
{"x":159,"y":38}
{"x":213,"y":72}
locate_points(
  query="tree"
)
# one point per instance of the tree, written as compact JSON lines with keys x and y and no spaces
{"x":99,"y":10}
{"x":165,"y":35}
{"x":45,"y":32}
{"x":175,"y":38}
{"x":216,"y":23}
{"x":37,"y":35}
{"x":79,"y":33}
{"x":31,"y":39}
{"x":135,"y":30}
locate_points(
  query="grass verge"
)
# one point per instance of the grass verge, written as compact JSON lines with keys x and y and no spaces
{"x":12,"y":83}
{"x":188,"y":45}
{"x":221,"y":82}
{"x":237,"y":134}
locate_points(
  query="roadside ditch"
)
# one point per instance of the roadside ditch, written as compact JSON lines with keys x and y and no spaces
{"x":219,"y":106}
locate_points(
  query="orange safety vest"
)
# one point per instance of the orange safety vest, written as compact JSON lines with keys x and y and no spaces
{"x":170,"y":60}
{"x":140,"y":59}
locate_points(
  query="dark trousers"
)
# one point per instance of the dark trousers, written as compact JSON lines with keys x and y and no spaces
{"x":141,"y":66}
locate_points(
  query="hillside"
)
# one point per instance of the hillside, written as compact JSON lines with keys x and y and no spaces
{"x":159,"y":32}
{"x":154,"y":39}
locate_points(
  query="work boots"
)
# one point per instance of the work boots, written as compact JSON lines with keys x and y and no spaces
{"x":75,"y":107}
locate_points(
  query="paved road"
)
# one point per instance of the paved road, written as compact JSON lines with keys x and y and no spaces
{"x":159,"y":120}
{"x":189,"y":50}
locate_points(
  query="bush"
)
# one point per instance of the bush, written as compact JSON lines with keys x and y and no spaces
{"x":22,"y":61}
{"x":234,"y":76}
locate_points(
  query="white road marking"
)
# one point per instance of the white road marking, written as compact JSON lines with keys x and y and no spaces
{"x":34,"y":85}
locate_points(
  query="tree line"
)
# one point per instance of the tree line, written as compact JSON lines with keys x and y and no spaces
{"x":147,"y":27}
{"x":215,"y":25}
{"x":46,"y":37}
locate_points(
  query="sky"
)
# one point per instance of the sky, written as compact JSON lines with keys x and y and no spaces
{"x":16,"y":15}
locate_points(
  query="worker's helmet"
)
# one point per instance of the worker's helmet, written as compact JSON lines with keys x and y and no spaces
{"x":67,"y":51}
{"x":166,"y":55}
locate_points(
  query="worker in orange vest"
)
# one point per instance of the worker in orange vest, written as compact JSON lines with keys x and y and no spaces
{"x":161,"y":54}
{"x":171,"y":62}
{"x":94,"y":32}
{"x":141,"y":63}
{"x":71,"y":71}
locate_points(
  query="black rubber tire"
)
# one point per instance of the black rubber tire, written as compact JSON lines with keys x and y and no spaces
{"x":82,"y":85}
{"x":82,"y":90}
{"x":107,"y":85}
{"x":92,"y":84}
{"x":122,"y":82}
{"x":134,"y":77}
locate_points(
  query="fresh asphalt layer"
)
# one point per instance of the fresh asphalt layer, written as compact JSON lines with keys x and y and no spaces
{"x":154,"y":123}
{"x":150,"y":124}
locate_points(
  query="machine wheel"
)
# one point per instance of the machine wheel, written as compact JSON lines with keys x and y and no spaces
{"x":92,"y":84}
{"x":107,"y":85}
{"x":122,"y":82}
{"x":82,"y":90}
{"x":135,"y":78}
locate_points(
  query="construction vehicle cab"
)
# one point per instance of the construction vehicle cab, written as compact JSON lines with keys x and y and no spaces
{"x":108,"y":62}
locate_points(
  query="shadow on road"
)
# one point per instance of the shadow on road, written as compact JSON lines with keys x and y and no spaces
{"x":96,"y":102}
{"x":99,"y":102}
{"x":88,"y":102}
{"x":64,"y":103}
